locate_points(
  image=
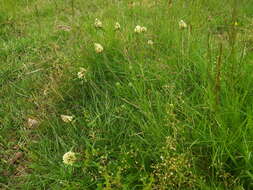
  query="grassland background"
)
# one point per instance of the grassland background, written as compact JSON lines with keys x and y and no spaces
{"x":177,"y":114}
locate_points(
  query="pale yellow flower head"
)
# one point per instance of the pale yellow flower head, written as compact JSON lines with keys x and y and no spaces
{"x":98,"y":23}
{"x":32,"y":122}
{"x":137,"y":29}
{"x":98,"y":48}
{"x":67,"y":118}
{"x":117,"y":26}
{"x":182,"y":24}
{"x":82,"y":73}
{"x":143,"y":29}
{"x":69,"y":158}
{"x":150,"y":42}
{"x":140,"y":29}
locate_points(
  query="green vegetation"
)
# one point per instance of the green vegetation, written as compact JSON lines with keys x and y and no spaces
{"x":166,"y":108}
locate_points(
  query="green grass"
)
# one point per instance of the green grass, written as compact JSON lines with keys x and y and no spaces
{"x":177,"y":114}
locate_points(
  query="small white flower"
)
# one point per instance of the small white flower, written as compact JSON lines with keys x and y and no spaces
{"x":137,"y":29}
{"x":82,"y":73}
{"x":32,"y":122}
{"x":140,"y":29}
{"x":143,"y":29}
{"x":98,"y":48}
{"x":117,"y":26}
{"x":150,"y":42}
{"x":67,"y":118}
{"x":182,"y":24}
{"x":98,"y":23}
{"x":69,"y":158}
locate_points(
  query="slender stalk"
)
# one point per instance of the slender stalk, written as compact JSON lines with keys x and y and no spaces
{"x":209,"y":58}
{"x":170,"y":3}
{"x":209,"y":51}
{"x":37,"y":16}
{"x":232,"y":39}
{"x":217,"y":87}
{"x":182,"y":45}
{"x":73,"y":8}
{"x":56,"y":6}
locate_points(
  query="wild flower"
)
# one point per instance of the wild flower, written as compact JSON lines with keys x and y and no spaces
{"x":98,"y":23}
{"x":137,"y":29}
{"x":98,"y":48}
{"x":182,"y":24}
{"x":175,"y":169}
{"x":140,"y":29}
{"x":150,"y":42}
{"x":32,"y":122}
{"x":67,"y":118}
{"x":69,"y":158}
{"x":117,"y":26}
{"x":82,"y":73}
{"x":143,"y":29}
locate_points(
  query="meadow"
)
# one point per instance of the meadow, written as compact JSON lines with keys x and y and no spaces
{"x":126,"y":94}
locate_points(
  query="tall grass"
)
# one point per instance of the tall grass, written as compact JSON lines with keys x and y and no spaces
{"x":173,"y":115}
